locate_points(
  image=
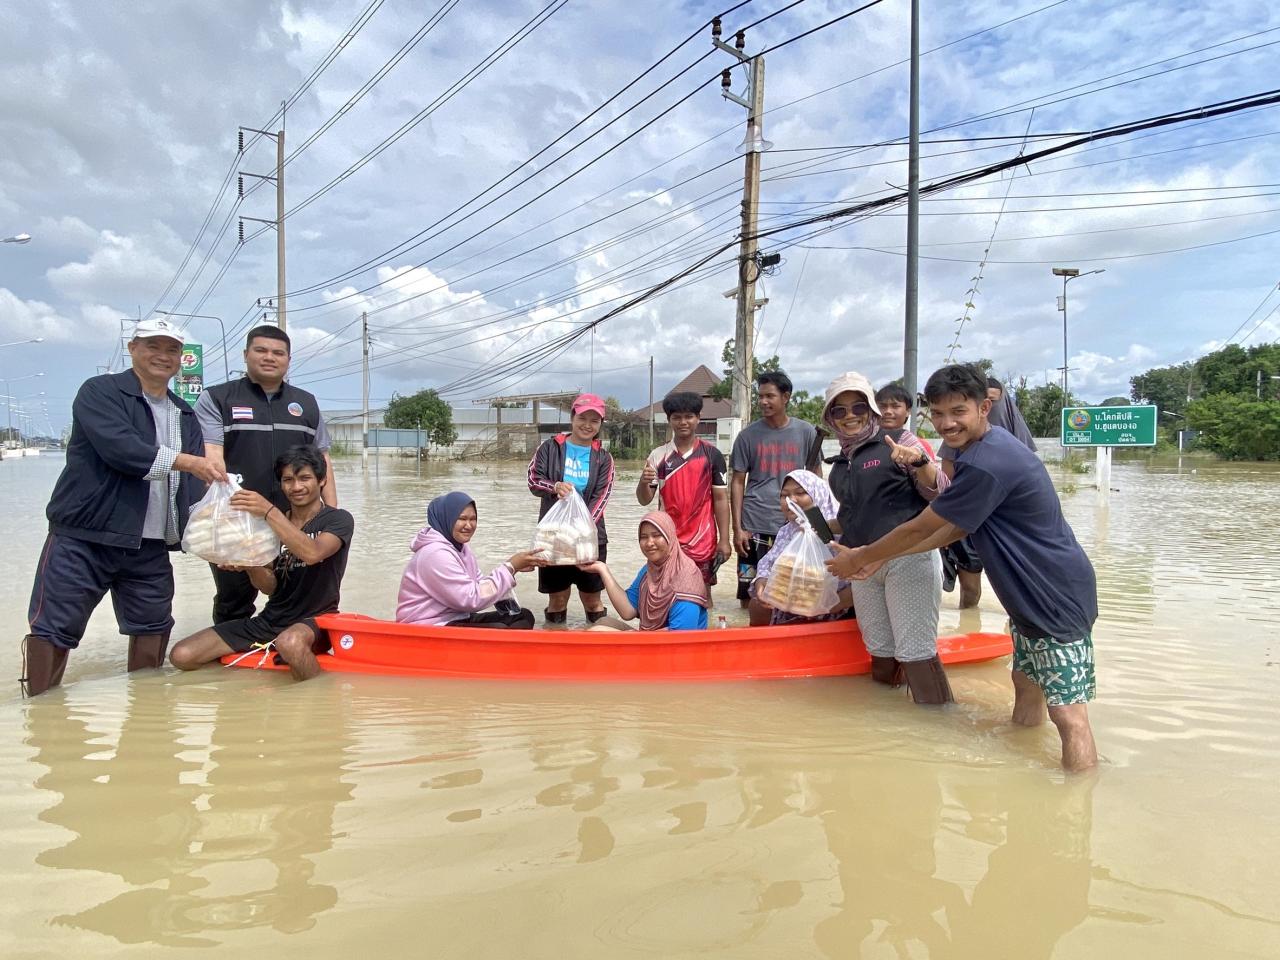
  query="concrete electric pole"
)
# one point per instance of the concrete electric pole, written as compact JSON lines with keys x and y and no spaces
{"x":278,"y":222}
{"x":753,"y":144}
{"x":911,"y":323}
{"x":364,"y":393}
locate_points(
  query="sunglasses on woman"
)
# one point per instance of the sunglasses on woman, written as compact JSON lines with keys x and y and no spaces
{"x":840,"y":411}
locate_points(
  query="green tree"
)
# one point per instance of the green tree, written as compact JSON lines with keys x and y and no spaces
{"x":424,"y":410}
{"x":1166,"y":387}
{"x":724,"y":389}
{"x":1042,"y":409}
{"x":627,"y":433}
{"x":806,"y":407}
{"x":1115,"y":402}
{"x":1237,"y":427}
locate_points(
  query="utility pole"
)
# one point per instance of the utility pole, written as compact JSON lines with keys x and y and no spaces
{"x":753,"y":144}
{"x":364,"y":428}
{"x":911,"y":328}
{"x":278,"y":222}
{"x":650,"y":401}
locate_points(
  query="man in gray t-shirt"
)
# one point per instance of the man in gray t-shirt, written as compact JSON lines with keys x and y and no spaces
{"x":763,"y":454}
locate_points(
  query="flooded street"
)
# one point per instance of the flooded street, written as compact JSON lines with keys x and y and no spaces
{"x":365,"y":816}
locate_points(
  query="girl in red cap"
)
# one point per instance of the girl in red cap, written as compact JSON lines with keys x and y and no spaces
{"x":566,"y":462}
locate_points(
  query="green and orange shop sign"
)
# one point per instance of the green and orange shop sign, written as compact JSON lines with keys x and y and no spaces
{"x":190,"y":379}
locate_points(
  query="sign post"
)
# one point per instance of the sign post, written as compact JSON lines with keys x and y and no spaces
{"x":1107,"y":427}
{"x":190,"y":379}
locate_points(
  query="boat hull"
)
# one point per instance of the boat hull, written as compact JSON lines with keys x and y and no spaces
{"x":368,"y":646}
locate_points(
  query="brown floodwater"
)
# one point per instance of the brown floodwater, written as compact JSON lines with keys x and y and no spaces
{"x":239,"y":813}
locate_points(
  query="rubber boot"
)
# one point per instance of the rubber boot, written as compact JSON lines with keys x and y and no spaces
{"x":928,"y":681}
{"x":595,"y":615}
{"x":43,"y":663}
{"x":556,"y":616}
{"x":146,"y":651}
{"x":887,"y":670}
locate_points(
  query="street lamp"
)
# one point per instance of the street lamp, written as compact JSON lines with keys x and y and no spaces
{"x":9,"y":397}
{"x":14,"y":343}
{"x":202,"y":316}
{"x":18,"y":238}
{"x":1068,"y":274}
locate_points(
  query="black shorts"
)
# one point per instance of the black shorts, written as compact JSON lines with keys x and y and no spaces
{"x":74,"y":575}
{"x":556,"y":579}
{"x":760,"y":545}
{"x":243,"y":635}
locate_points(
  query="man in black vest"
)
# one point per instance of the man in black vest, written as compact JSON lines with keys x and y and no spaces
{"x":247,"y":423}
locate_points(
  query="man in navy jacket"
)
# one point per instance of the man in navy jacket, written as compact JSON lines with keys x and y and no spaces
{"x":135,"y":466}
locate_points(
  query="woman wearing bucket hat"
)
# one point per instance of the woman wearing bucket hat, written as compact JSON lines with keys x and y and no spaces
{"x":881,"y":482}
{"x":566,"y":462}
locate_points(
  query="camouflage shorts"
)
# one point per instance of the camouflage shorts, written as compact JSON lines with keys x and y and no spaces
{"x":1063,"y":669}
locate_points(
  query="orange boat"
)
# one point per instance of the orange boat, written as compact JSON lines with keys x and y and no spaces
{"x":364,"y":645}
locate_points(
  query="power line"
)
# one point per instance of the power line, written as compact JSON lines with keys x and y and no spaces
{"x":1220,"y":108}
{"x":541,"y":17}
{"x":406,"y":48}
{"x":302,"y":88}
{"x":588,"y":164}
{"x":691,"y":149}
{"x":1125,"y":256}
{"x":1270,"y":292}
{"x":399,"y":248}
{"x":1259,"y":324}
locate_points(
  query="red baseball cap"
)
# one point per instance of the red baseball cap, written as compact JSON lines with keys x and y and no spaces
{"x":589,"y":401}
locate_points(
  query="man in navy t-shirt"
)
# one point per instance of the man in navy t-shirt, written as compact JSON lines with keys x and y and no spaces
{"x":1002,"y":498}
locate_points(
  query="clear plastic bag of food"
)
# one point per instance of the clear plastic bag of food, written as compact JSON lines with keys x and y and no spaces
{"x":800,"y":582}
{"x":567,"y":534}
{"x":219,"y":533}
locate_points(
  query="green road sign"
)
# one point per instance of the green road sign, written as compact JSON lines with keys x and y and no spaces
{"x":190,"y":379}
{"x":1109,"y":426}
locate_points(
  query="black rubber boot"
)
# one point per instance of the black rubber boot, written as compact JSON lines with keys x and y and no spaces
{"x":556,"y":616}
{"x":43,"y":663}
{"x":887,"y":670}
{"x":147,"y":650}
{"x":928,"y":681}
{"x":595,"y":615}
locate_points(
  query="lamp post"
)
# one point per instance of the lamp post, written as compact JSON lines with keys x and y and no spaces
{"x":17,"y":238}
{"x":1068,"y":274}
{"x":201,"y":316}
{"x":14,"y":343}
{"x":9,"y":399}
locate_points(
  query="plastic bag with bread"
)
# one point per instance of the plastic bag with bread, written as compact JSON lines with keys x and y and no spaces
{"x":800,"y":582}
{"x":219,"y":533}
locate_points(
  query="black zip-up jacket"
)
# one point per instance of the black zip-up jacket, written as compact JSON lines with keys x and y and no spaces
{"x":546,"y":469}
{"x":101,"y":495}
{"x":874,"y":493}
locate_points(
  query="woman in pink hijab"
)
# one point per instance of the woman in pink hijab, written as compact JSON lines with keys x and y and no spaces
{"x":668,"y":593}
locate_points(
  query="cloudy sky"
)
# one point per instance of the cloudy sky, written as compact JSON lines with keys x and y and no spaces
{"x":118,"y":129}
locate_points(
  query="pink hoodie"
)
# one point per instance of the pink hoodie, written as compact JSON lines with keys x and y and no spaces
{"x":442,"y":584}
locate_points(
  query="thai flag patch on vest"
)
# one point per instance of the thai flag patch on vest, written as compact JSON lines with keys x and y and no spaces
{"x":242,"y":413}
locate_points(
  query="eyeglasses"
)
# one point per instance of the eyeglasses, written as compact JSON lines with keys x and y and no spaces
{"x":840,"y":411}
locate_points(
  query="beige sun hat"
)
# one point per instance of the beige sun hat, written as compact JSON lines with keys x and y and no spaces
{"x":844,"y":383}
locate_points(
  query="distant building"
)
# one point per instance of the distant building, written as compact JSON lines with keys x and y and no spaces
{"x":482,"y":431}
{"x":701,"y":381}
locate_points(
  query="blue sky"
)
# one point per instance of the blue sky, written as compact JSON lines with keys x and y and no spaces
{"x":119,"y":123}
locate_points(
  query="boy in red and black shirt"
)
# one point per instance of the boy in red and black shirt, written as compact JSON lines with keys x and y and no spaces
{"x":688,"y":474}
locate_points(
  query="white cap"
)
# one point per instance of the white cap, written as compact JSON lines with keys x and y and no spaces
{"x":846,"y":382}
{"x":157,"y":327}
